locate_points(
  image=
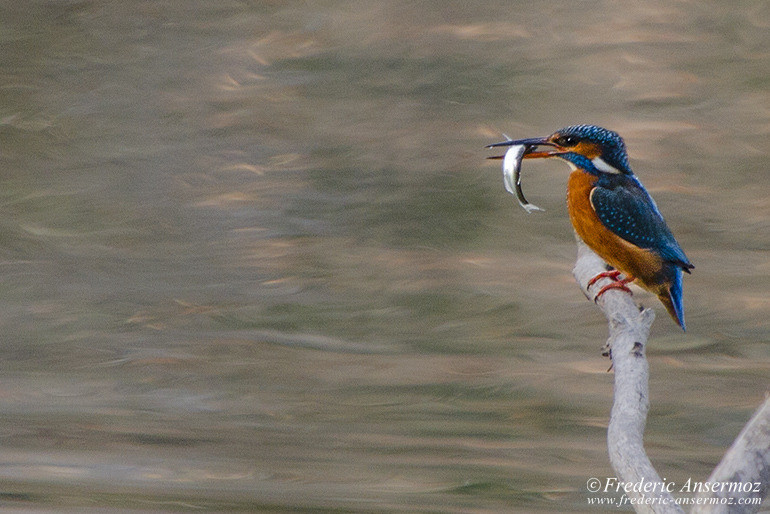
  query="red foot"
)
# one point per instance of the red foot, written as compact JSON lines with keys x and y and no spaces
{"x":616,"y":284}
{"x":604,"y":274}
{"x":620,"y":284}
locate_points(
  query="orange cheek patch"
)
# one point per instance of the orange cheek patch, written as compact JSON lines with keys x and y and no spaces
{"x":590,"y":150}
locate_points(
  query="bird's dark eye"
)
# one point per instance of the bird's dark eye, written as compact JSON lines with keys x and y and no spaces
{"x":567,"y":141}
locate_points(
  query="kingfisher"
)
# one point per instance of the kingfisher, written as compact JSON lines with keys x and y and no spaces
{"x":613,"y":213}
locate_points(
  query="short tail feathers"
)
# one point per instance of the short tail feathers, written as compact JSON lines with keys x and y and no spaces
{"x":673,"y":300}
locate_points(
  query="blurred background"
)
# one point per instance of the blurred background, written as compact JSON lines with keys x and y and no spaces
{"x":252,"y":257}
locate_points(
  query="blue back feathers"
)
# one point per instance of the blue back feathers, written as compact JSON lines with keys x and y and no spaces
{"x":628,"y":211}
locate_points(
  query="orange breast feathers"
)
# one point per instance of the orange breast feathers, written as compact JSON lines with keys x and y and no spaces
{"x":644,"y":265}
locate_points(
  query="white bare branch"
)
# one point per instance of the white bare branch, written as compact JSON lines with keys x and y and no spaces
{"x":629,"y":328}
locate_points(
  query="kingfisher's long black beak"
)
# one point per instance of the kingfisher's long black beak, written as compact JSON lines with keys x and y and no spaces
{"x":531,"y":144}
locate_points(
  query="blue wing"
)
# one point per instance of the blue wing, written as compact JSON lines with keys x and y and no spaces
{"x":629,"y":212}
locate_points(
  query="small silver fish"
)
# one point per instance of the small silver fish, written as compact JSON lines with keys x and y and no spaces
{"x":512,"y":175}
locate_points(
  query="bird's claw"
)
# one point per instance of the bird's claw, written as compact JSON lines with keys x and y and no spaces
{"x":613,"y":274}
{"x":620,"y":284}
{"x":615,"y":284}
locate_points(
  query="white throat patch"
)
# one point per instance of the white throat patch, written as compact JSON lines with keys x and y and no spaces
{"x":601,"y":165}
